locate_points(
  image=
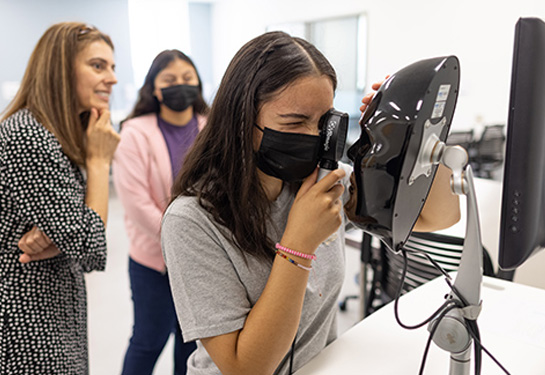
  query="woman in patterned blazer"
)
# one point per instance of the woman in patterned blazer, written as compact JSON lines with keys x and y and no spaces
{"x":56,"y":146}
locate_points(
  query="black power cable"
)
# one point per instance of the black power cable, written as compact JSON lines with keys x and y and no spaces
{"x":292,"y":354}
{"x":440,"y":313}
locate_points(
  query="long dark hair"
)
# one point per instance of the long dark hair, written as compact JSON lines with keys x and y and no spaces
{"x":221,"y":169}
{"x":48,"y":88}
{"x":147,"y":102}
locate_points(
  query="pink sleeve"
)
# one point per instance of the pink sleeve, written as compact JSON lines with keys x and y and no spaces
{"x":130,"y":174}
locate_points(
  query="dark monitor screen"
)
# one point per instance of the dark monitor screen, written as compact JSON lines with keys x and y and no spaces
{"x":522,"y":230}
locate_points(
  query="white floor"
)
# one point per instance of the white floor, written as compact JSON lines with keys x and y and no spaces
{"x":110,"y":307}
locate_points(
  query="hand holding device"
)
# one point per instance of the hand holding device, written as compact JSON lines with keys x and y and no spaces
{"x":313,"y":204}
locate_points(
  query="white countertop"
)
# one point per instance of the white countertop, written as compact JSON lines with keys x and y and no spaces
{"x":512,"y":327}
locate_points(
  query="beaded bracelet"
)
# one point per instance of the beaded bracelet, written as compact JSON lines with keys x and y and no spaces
{"x":292,"y":261}
{"x":301,"y":266}
{"x":296,"y":253}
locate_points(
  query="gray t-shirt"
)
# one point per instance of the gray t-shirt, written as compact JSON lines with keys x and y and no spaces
{"x":214,"y":286}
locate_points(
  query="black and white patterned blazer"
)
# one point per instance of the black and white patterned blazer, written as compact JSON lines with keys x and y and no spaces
{"x":43,"y":312}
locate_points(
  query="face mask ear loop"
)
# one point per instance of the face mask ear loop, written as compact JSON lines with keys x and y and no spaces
{"x":257,"y":126}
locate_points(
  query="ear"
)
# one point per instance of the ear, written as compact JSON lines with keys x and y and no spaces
{"x":156,"y":92}
{"x":158,"y":95}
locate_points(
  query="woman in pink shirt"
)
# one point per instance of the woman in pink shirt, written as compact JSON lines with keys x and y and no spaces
{"x":169,"y":113}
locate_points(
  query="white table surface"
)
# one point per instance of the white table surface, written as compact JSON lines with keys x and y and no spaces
{"x":512,"y":327}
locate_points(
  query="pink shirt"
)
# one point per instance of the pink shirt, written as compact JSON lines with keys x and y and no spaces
{"x":143,"y":179}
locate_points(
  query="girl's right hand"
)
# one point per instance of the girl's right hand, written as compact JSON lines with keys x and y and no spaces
{"x":315,"y":213}
{"x":102,"y":139}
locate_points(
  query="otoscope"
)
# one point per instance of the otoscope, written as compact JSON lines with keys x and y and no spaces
{"x":333,"y":131}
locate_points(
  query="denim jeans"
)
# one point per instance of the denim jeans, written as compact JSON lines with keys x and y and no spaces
{"x":154,"y":320}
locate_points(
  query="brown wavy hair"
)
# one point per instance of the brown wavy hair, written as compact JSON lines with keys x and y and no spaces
{"x":48,"y":88}
{"x":147,"y":102}
{"x":221,"y":169}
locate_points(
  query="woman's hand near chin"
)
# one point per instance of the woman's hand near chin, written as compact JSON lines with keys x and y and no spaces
{"x":101,"y":142}
{"x":102,"y":139}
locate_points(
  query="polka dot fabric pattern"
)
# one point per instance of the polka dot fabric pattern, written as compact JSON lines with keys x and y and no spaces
{"x":43,"y":311}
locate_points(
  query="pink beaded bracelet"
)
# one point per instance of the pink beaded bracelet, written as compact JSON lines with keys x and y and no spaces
{"x":296,"y":253}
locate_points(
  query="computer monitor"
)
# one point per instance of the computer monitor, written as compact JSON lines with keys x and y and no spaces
{"x":522,"y":231}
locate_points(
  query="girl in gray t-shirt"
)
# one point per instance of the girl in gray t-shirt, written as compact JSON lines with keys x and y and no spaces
{"x":252,"y":241}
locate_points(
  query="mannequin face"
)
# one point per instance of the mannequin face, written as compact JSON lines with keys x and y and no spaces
{"x":357,"y":153}
{"x":95,"y":76}
{"x":376,"y":157}
{"x":350,"y":206}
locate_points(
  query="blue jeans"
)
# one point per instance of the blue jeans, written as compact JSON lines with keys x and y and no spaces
{"x":154,"y":320}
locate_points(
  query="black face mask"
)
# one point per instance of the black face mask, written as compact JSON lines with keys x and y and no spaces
{"x":288,"y":156}
{"x":180,"y":97}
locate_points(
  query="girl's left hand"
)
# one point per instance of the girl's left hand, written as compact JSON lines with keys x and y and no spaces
{"x":369,"y":97}
{"x":36,"y":245}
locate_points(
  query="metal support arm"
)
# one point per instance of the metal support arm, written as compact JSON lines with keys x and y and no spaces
{"x":451,"y":333}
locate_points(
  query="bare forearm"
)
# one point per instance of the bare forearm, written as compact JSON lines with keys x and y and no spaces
{"x":96,"y":196}
{"x":442,"y":207}
{"x":274,"y":320}
{"x":270,"y":327}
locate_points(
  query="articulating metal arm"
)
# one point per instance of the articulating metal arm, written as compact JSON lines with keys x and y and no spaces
{"x":451,"y":332}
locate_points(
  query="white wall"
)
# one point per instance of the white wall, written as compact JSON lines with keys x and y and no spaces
{"x":22,"y":23}
{"x":480,"y":33}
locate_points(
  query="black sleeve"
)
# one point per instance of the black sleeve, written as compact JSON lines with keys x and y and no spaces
{"x":49,"y":191}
